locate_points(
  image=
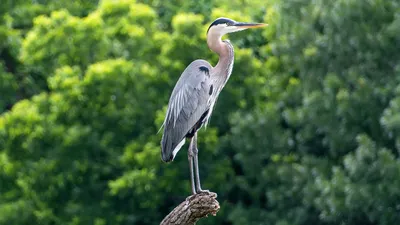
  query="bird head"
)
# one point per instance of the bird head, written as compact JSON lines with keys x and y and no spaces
{"x":222,"y":26}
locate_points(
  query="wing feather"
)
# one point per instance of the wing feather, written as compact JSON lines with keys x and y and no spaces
{"x":188,"y":102}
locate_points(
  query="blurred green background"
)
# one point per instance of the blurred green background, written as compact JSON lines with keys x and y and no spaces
{"x":305,"y":132}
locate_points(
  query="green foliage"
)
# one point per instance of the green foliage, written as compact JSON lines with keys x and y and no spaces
{"x":8,"y":89}
{"x":55,"y":45}
{"x":366,"y":190}
{"x":305,"y":132}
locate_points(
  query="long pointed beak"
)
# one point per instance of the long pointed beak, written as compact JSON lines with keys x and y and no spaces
{"x":249,"y":25}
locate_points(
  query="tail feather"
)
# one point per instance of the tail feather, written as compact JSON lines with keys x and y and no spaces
{"x":170,"y":149}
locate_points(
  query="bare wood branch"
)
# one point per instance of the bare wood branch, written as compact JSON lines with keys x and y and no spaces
{"x":192,"y":209}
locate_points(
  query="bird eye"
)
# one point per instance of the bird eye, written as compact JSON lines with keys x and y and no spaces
{"x":229,"y":23}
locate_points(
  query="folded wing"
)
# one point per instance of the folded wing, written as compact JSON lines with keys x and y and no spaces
{"x":188,"y":107}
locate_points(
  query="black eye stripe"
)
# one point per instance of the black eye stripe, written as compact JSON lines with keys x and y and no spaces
{"x":221,"y":21}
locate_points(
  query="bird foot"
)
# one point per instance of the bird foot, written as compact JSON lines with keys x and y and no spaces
{"x":199,"y":191}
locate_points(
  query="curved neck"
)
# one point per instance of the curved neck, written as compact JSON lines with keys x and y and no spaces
{"x":226,"y":55}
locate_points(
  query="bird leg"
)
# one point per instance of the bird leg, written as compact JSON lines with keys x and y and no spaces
{"x":196,"y":165}
{"x":190,"y":157}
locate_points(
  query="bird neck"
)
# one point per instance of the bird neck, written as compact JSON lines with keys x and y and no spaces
{"x":226,"y":57}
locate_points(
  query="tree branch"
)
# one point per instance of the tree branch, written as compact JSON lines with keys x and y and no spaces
{"x":192,"y":209}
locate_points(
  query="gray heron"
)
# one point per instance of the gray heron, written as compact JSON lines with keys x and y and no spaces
{"x":195,"y":94}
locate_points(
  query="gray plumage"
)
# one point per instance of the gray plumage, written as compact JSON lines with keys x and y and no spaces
{"x":189,"y":101}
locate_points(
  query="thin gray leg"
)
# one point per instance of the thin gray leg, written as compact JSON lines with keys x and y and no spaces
{"x":196,"y":165}
{"x":190,"y":158}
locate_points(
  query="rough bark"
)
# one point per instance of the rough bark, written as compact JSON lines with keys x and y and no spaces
{"x":192,"y":209}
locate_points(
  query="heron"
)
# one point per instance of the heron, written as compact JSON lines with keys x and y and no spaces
{"x":194,"y":96}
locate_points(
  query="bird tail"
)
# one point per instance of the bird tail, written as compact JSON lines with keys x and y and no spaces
{"x":169,"y":151}
{"x":166,"y":156}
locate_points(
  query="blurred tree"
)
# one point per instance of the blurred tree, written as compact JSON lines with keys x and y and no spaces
{"x":8,"y":88}
{"x":334,"y":74}
{"x":305,"y":132}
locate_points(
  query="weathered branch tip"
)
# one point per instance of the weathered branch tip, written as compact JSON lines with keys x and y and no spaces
{"x":192,"y":209}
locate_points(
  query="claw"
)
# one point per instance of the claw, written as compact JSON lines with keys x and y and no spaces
{"x":202,"y":191}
